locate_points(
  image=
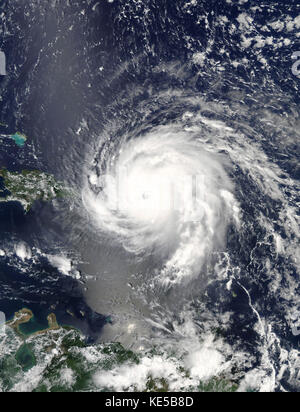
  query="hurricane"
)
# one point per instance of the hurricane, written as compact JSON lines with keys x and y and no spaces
{"x":150,"y":195}
{"x":179,"y":190}
{"x":163,"y":192}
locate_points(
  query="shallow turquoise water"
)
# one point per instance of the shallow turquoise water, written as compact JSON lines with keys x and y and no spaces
{"x":19,"y":139}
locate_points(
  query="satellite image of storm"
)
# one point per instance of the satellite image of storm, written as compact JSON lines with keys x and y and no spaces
{"x":150,"y":198}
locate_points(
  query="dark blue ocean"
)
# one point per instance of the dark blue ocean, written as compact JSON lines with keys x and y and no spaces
{"x":82,"y":71}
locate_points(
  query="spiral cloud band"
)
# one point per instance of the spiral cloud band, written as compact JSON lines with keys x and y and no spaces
{"x":164,"y":193}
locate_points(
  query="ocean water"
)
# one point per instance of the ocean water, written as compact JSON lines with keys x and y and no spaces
{"x":136,"y":105}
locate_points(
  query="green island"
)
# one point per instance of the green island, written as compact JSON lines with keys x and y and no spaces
{"x":66,"y":363}
{"x":28,"y":186}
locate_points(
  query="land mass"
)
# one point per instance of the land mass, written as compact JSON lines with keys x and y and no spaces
{"x":28,"y":186}
{"x":68,"y":363}
{"x":25,"y":316}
